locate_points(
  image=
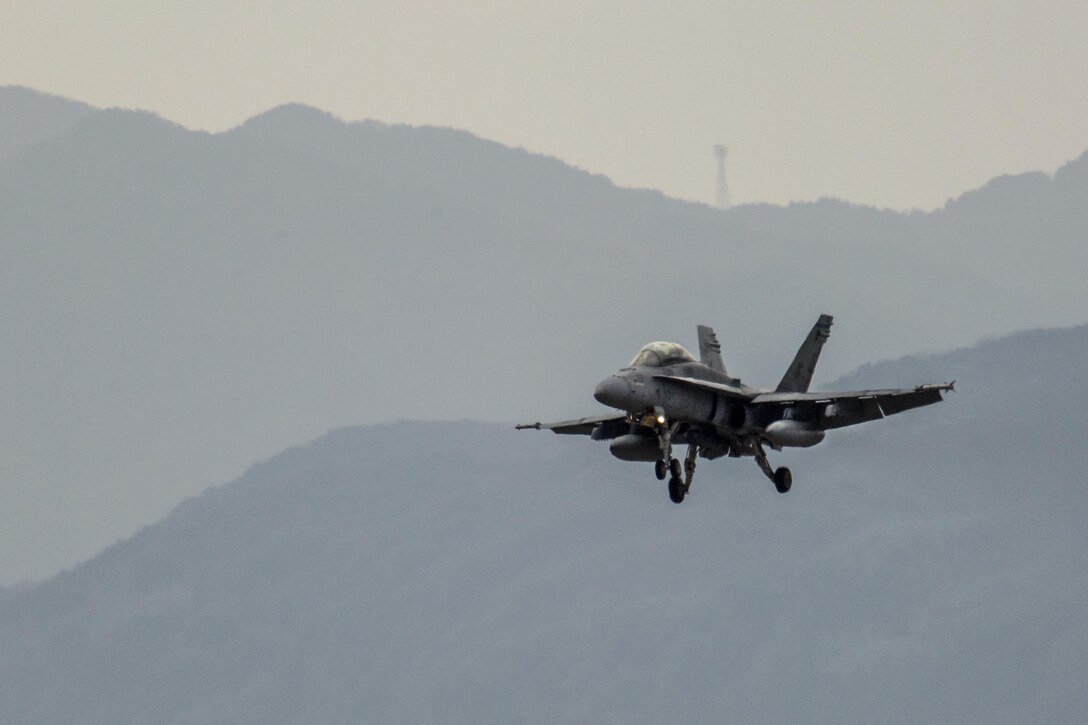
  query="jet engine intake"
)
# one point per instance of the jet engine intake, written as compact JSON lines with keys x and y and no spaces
{"x":732,"y":414}
{"x":736,"y":416}
{"x":701,"y":405}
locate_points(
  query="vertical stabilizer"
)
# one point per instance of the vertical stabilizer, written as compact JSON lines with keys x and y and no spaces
{"x":799,"y":375}
{"x":710,"y":350}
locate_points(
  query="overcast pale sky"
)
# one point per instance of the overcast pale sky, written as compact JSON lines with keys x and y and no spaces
{"x":894,"y":104}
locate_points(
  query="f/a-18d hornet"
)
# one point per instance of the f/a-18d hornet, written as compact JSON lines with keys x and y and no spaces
{"x":665,"y":397}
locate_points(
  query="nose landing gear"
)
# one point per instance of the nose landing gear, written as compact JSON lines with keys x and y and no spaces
{"x":677,"y":490}
{"x":679,"y":487}
{"x":666,"y":465}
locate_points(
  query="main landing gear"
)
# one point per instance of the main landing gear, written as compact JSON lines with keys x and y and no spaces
{"x":782,"y":478}
{"x":679,"y":486}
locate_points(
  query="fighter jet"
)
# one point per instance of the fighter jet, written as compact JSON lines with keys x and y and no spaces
{"x":665,"y":397}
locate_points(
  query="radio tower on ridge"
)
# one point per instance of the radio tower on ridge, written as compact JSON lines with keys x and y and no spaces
{"x":721,"y":195}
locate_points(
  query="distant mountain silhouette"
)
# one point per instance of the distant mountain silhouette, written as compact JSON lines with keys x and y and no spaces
{"x":28,"y":118}
{"x":926,"y":568}
{"x":179,"y":304}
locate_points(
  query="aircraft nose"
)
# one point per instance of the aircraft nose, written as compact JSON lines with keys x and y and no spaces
{"x":613,"y":391}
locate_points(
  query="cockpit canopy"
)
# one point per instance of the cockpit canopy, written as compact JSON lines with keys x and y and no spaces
{"x":657,"y":354}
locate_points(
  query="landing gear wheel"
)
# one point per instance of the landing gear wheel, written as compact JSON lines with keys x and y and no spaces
{"x":661,"y":469}
{"x":674,"y":468}
{"x":677,"y":490}
{"x":783,"y":479}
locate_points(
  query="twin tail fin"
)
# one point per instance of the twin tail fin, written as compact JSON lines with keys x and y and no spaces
{"x":710,"y":350}
{"x":799,"y":375}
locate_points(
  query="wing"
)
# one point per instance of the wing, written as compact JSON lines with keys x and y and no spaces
{"x":582,"y":426}
{"x":837,"y":410}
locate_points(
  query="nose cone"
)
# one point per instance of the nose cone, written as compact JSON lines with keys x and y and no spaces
{"x":614,"y":392}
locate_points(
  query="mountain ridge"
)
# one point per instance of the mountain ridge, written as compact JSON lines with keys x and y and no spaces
{"x":30,"y":117}
{"x":286,"y":117}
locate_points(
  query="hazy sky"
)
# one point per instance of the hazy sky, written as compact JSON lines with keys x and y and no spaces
{"x":897,"y":104}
